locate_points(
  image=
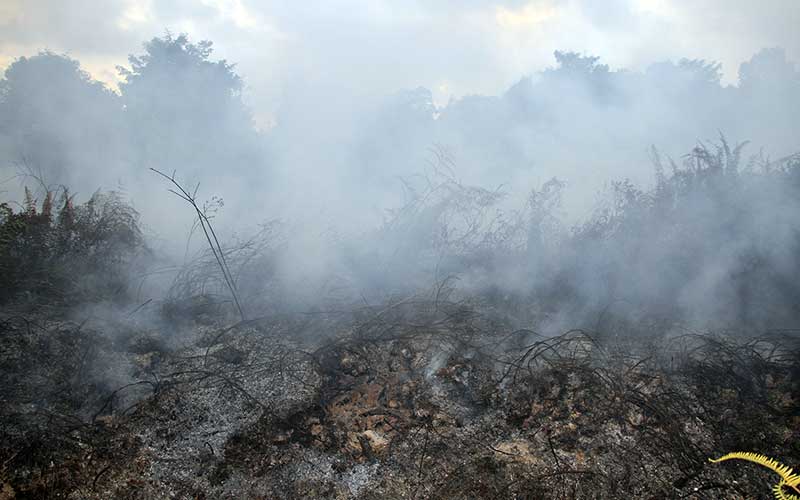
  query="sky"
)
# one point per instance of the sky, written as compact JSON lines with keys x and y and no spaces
{"x":453,"y":48}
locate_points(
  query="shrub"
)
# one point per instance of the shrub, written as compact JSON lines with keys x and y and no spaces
{"x":713,"y":240}
{"x":67,"y":252}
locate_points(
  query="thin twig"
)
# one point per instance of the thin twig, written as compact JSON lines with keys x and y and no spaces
{"x":210,"y":234}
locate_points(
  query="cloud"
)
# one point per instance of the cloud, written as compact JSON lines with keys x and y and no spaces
{"x":528,"y":16}
{"x":136,"y":14}
{"x":79,"y":26}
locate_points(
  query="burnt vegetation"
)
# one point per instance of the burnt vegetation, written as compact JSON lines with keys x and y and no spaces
{"x":444,"y":393}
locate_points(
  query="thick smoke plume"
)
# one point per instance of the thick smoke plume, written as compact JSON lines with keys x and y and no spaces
{"x":573,"y":185}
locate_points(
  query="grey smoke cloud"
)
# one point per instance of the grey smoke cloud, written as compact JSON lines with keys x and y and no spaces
{"x":351,"y":97}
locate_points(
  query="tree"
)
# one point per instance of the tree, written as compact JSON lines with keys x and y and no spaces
{"x":583,"y":72}
{"x":768,"y":88}
{"x":185,"y":110}
{"x":767,"y":71}
{"x":57,"y":120}
{"x":572,"y":63}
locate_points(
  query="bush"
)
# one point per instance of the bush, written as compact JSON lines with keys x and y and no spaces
{"x":68,"y":253}
{"x":714,"y":241}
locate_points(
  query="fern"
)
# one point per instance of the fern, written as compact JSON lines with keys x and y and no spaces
{"x":788,"y":477}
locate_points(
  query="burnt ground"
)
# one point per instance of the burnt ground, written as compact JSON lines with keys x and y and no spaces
{"x":415,"y":399}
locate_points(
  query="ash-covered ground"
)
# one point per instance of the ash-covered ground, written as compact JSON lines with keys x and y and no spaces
{"x":424,"y":397}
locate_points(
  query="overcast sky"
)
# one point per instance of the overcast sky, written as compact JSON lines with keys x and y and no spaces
{"x":379,"y":46}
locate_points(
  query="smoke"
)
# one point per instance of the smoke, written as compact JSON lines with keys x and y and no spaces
{"x":547,"y":190}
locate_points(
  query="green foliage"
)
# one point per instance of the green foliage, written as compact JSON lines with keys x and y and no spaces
{"x":65,"y":252}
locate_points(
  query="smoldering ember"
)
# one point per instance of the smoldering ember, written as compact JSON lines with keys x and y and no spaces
{"x":385,"y":250}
